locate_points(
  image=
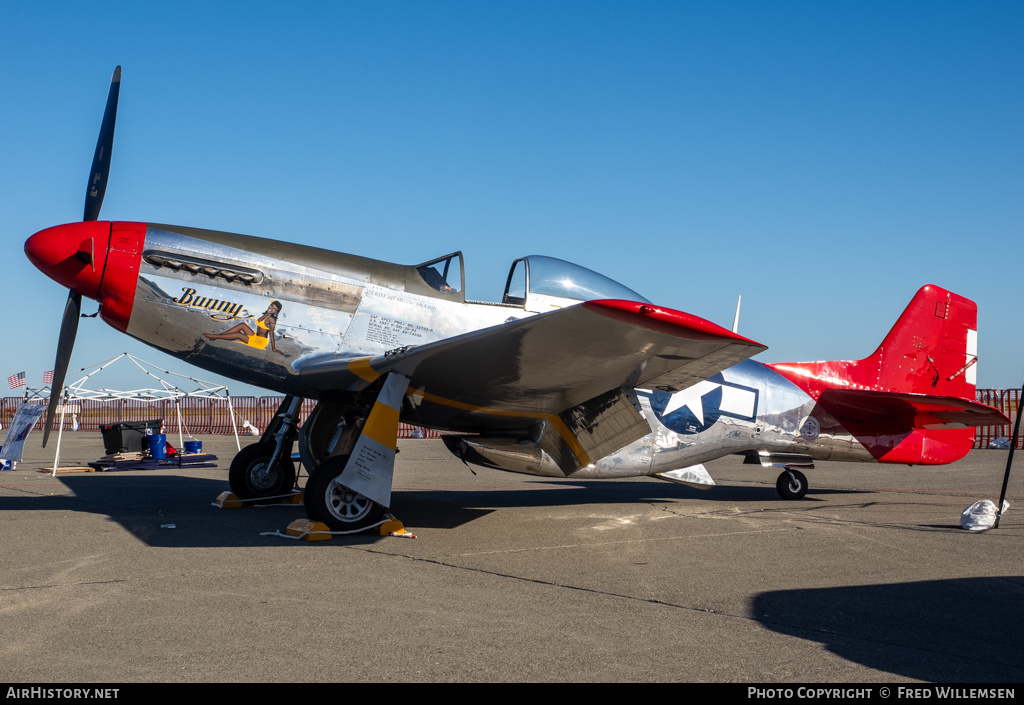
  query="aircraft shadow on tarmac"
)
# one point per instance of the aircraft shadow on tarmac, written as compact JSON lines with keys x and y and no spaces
{"x":946,"y":631}
{"x":445,"y":509}
{"x":144,"y":506}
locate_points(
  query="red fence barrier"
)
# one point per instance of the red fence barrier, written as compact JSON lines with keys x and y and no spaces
{"x":212,"y":416}
{"x":199,"y":415}
{"x":1006,"y":400}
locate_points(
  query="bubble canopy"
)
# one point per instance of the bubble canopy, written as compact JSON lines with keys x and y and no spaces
{"x":549,"y":276}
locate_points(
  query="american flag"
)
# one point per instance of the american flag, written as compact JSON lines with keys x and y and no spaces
{"x":48,"y":377}
{"x":17,"y":380}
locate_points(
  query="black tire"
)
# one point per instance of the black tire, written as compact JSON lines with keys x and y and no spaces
{"x":251,"y":477}
{"x":338,"y":507}
{"x":792,"y":484}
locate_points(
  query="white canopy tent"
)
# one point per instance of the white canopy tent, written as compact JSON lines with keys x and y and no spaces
{"x":167,"y":390}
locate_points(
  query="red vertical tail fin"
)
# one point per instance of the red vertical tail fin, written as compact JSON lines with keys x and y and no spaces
{"x":932,"y":349}
{"x":902,"y":401}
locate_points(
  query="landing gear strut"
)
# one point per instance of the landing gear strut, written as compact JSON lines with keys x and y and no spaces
{"x":266,"y":469}
{"x":351,"y":445}
{"x":326,"y":441}
{"x":253,"y":475}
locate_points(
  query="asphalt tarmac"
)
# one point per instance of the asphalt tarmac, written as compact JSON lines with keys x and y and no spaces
{"x":124,"y":577}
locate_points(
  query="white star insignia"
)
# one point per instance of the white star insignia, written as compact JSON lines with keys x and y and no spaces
{"x":691,"y":398}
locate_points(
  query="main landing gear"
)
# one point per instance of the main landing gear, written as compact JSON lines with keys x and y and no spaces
{"x":255,"y":475}
{"x":327,"y":441}
{"x":266,"y":469}
{"x":350,"y":445}
{"x":334,"y":504}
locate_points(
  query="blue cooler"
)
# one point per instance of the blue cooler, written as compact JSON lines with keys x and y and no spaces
{"x":193,"y":447}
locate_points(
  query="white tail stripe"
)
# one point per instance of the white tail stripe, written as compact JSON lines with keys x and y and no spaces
{"x":971,"y":375}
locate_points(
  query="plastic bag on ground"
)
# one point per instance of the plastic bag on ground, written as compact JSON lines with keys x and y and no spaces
{"x":981,"y":515}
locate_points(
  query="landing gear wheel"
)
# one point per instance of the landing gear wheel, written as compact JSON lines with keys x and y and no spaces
{"x":791,"y":484}
{"x":338,"y":507}
{"x":251,"y":476}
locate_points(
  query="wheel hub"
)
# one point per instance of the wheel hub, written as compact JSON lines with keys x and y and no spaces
{"x":345,"y":504}
{"x":262,"y":476}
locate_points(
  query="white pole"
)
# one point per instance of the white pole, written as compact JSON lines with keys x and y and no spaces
{"x":181,"y":440}
{"x":60,"y":433}
{"x":231,"y":410}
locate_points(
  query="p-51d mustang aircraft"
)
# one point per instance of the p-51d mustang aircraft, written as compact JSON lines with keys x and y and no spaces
{"x":571,"y":374}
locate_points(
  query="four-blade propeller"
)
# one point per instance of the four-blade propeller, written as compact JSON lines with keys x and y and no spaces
{"x":94,"y":191}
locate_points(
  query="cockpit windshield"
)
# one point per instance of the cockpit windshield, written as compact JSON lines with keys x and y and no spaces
{"x":549,"y":276}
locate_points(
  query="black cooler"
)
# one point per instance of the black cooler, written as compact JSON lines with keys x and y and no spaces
{"x":129,"y":436}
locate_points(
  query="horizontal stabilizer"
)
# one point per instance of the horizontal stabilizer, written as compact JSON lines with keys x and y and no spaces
{"x":895,"y":412}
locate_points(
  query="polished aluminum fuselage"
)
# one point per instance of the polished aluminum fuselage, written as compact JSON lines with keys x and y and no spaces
{"x":747,"y":407}
{"x":194,"y":282}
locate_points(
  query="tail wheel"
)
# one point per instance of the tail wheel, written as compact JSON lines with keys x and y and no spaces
{"x":338,"y":507}
{"x":792,"y":484}
{"x":252,"y":477}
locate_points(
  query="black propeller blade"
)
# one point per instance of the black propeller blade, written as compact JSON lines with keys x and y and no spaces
{"x":65,"y":344}
{"x":97,"y":185}
{"x":94,"y":192}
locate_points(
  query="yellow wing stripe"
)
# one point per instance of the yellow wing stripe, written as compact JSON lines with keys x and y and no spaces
{"x":360,"y":367}
{"x":427,"y":396}
{"x":554,"y":419}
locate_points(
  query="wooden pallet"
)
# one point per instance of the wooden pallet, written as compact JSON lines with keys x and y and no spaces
{"x":136,"y":461}
{"x":69,"y":468}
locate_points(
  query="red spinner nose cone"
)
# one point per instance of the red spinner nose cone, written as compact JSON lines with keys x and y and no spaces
{"x":72,"y":255}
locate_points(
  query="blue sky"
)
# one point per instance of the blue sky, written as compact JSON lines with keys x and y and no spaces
{"x":823,"y":159}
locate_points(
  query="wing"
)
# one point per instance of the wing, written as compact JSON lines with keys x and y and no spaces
{"x":573,"y":369}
